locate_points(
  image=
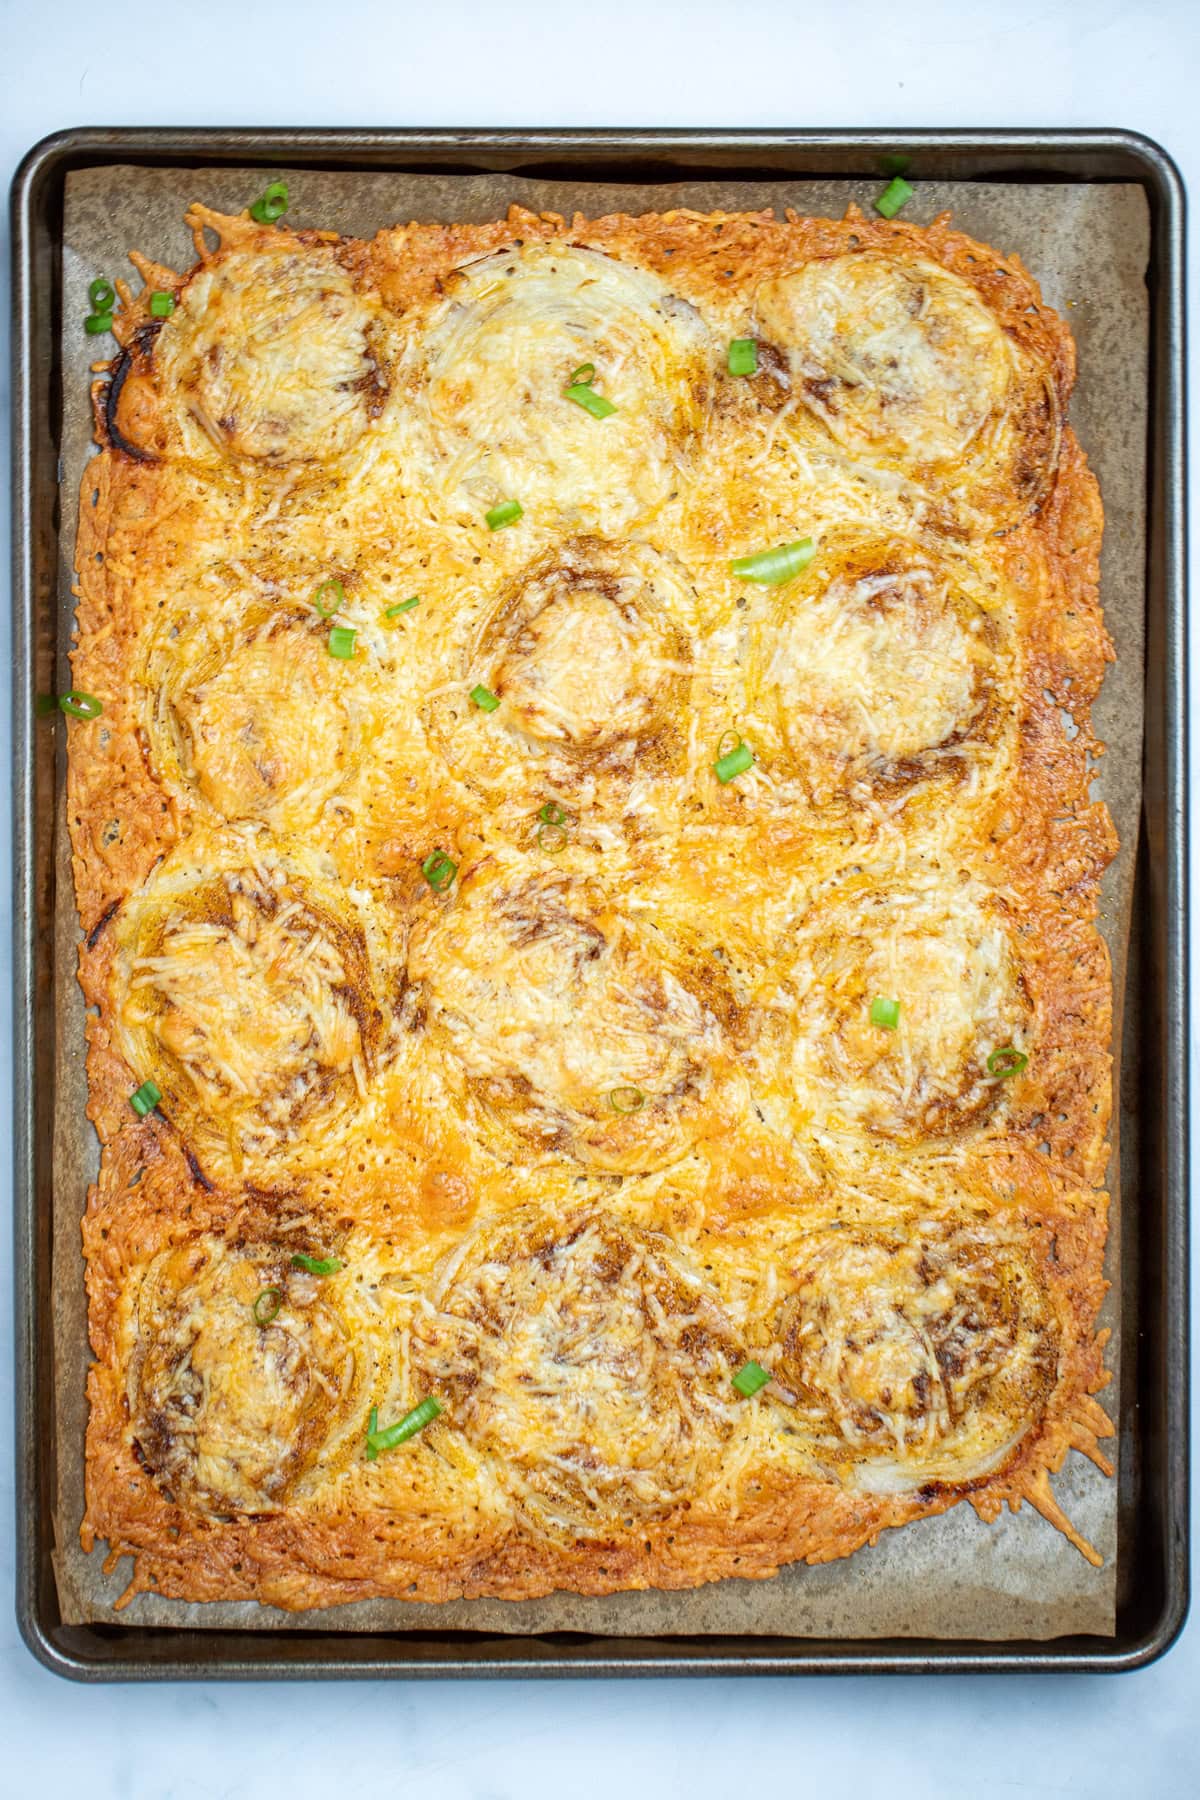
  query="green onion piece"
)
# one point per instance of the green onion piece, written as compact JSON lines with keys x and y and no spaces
{"x":896,"y":194}
{"x":729,"y":740}
{"x":743,"y":356}
{"x":552,"y":838}
{"x":162,"y":305}
{"x":774,"y":567}
{"x":734,"y":762}
{"x":101,"y":295}
{"x":372,"y":1428}
{"x":552,"y":813}
{"x":507,"y":513}
{"x":144,"y":1099}
{"x":885,"y":1013}
{"x":317,"y":1265}
{"x":1007,"y":1061}
{"x":403,"y":1429}
{"x":267,"y":1305}
{"x":484,"y":699}
{"x":584,"y":375}
{"x":80,"y":705}
{"x":586,"y":396}
{"x":402,"y":606}
{"x":96,"y":324}
{"x":270,"y":205}
{"x":749,"y":1378}
{"x":627,"y":1099}
{"x":341,"y":641}
{"x":328,"y":597}
{"x":439,"y":870}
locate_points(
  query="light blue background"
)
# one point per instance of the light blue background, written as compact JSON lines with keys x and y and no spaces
{"x":657,"y":62}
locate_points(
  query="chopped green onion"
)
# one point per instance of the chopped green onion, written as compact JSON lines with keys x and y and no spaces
{"x":373,"y":1422}
{"x":729,"y":740}
{"x":584,"y":375}
{"x":267,"y":1305}
{"x":270,"y":205}
{"x":80,"y":705}
{"x":734,"y":762}
{"x":96,"y":324}
{"x":484,"y":699}
{"x":774,"y":567}
{"x":743,"y":356}
{"x":583,"y":394}
{"x":328,"y":597}
{"x":896,"y":194}
{"x":101,"y":295}
{"x":507,"y":513}
{"x":162,"y":305}
{"x":439,"y":870}
{"x":403,"y":1429}
{"x":341,"y":641}
{"x":402,"y":606}
{"x":885,"y":1013}
{"x":749,"y":1378}
{"x":626,"y":1099}
{"x":552,"y":838}
{"x":317,"y":1265}
{"x":144,"y":1099}
{"x":552,"y":813}
{"x":1007,"y":1061}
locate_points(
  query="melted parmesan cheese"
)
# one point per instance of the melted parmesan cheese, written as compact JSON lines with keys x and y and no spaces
{"x":254,"y":1002}
{"x":273,"y":355}
{"x":487,"y":375}
{"x":548,"y":1000}
{"x":587,"y":1359}
{"x":936,"y":944}
{"x":904,"y":1363}
{"x":231,"y":1412}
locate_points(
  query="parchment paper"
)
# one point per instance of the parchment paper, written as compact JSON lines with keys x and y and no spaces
{"x":950,"y":1576}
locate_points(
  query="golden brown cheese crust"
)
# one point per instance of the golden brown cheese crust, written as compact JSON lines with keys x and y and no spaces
{"x":607,"y":1117}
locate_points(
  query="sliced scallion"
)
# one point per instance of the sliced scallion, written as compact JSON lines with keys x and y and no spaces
{"x":96,"y":324}
{"x":144,"y":1099}
{"x":552,"y":838}
{"x":896,"y":194}
{"x":162,"y":305}
{"x":80,"y":705}
{"x":402,"y":606}
{"x":439,"y":870}
{"x":743,"y":356}
{"x":317,"y":1265}
{"x":271,"y":204}
{"x":585,"y":395}
{"x":403,"y":1429}
{"x":341,"y":642}
{"x":885,"y":1013}
{"x":584,"y":375}
{"x":750,"y":1378}
{"x":626,"y":1099}
{"x":551,"y":813}
{"x":507,"y":513}
{"x":1006,"y":1061}
{"x":267,"y":1305}
{"x":329,"y":596}
{"x":484,"y":699}
{"x":101,"y":295}
{"x":734,"y":762}
{"x":774,"y":567}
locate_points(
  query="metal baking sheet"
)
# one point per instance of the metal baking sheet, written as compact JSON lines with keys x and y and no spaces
{"x":630,"y":158}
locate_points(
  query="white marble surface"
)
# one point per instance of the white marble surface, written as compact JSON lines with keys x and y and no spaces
{"x":637,"y":62}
